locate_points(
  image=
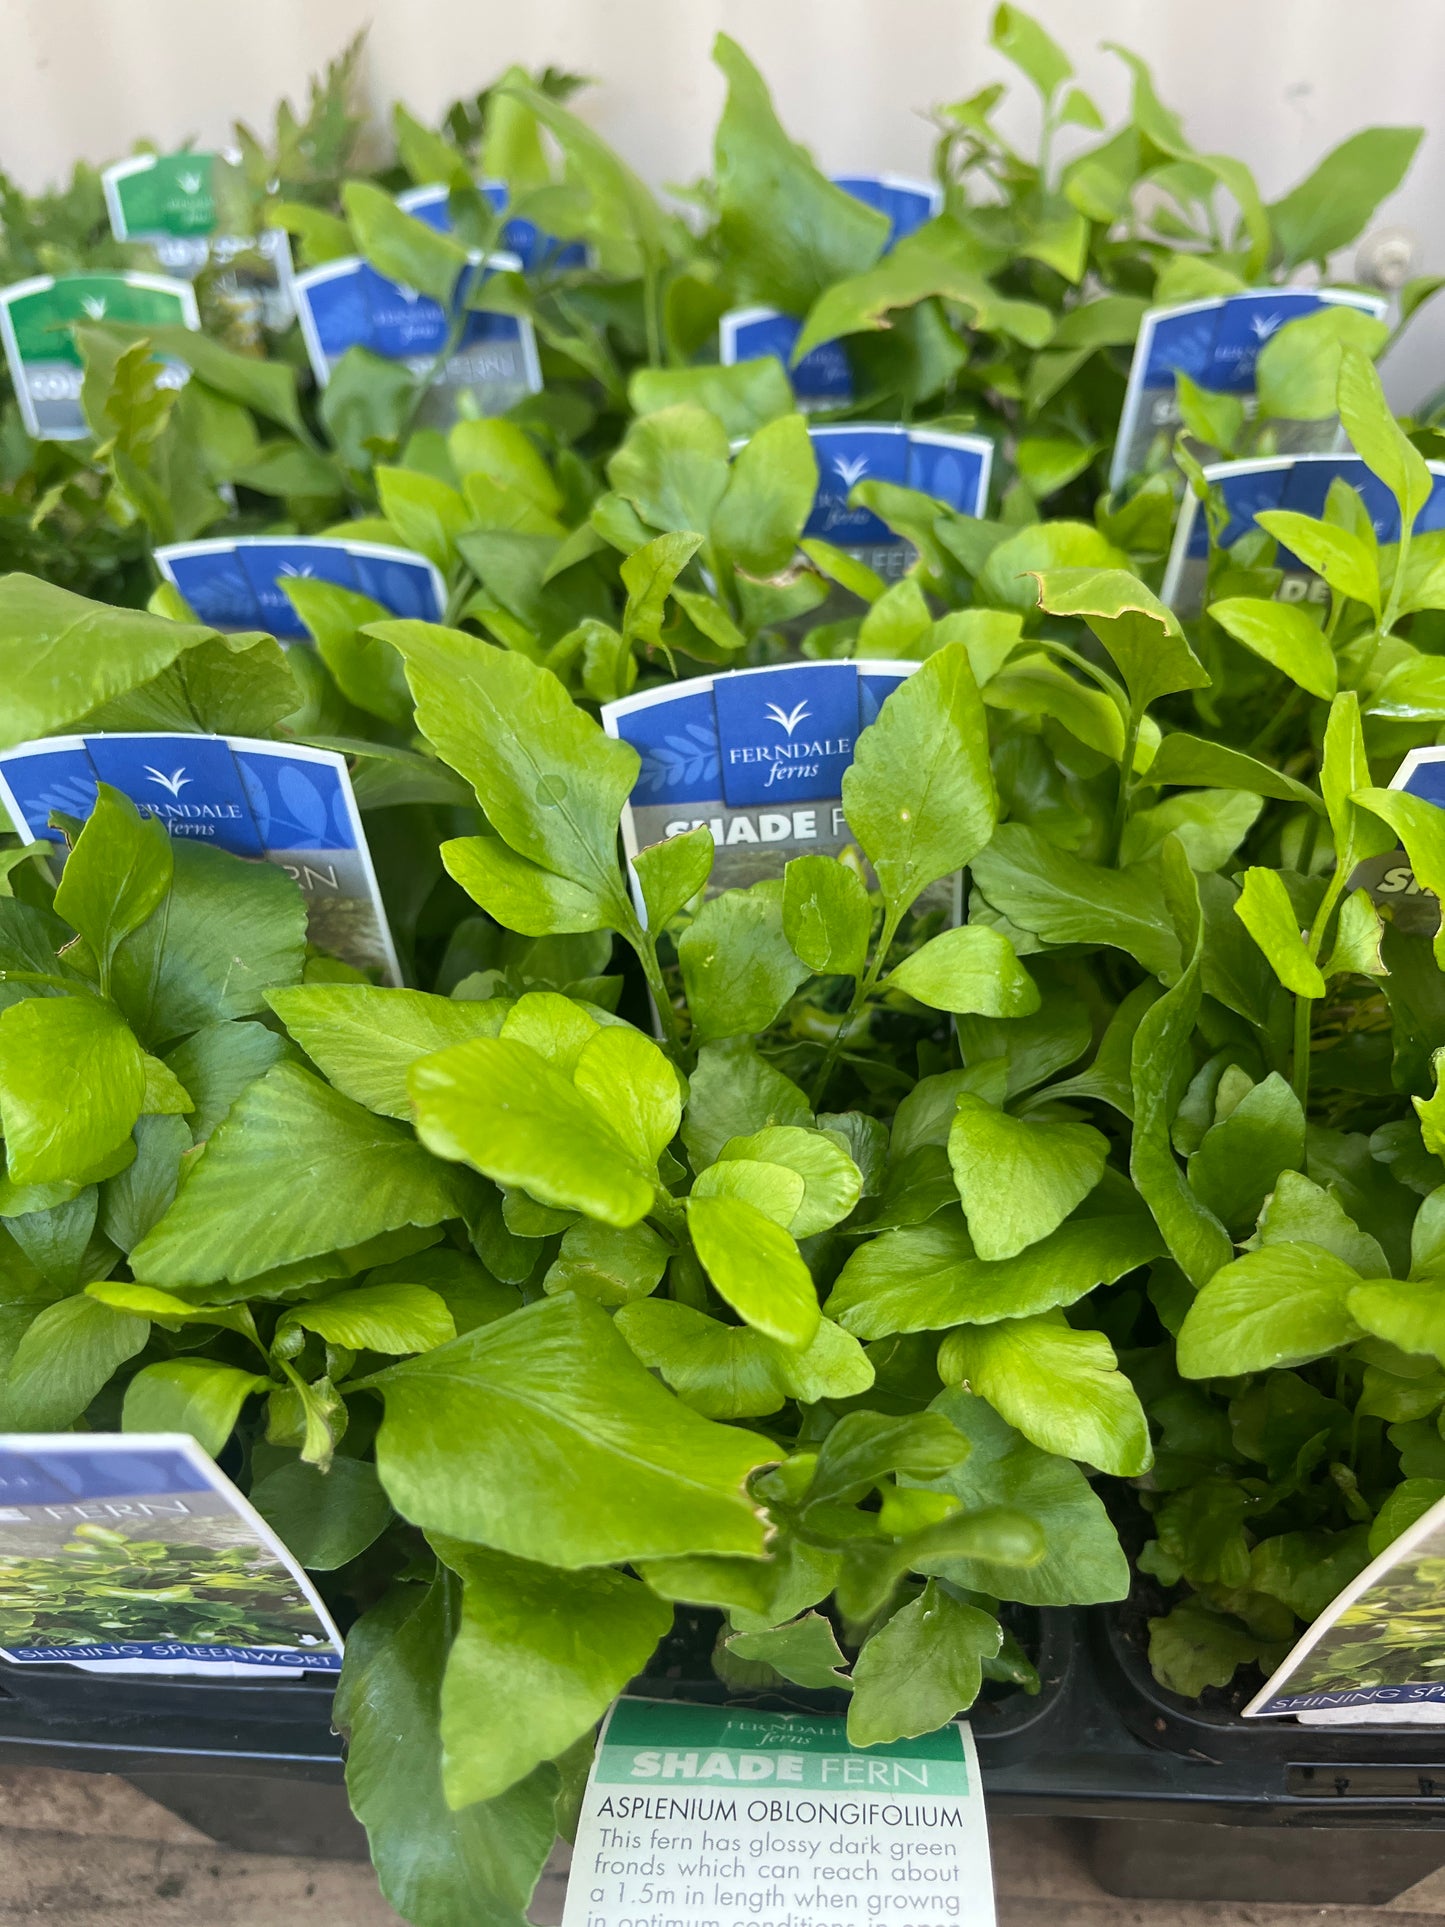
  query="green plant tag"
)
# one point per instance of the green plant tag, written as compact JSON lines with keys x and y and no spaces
{"x":134,"y":1553}
{"x":710,"y":1813}
{"x":36,"y":318}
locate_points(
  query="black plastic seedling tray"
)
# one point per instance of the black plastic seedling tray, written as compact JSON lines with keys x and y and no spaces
{"x":1179,"y":1802}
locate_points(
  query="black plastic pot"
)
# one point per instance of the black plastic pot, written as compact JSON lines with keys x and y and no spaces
{"x":1260,"y":1809}
{"x":1009,"y":1725}
{"x":253,"y":1763}
{"x":1177,"y":1802}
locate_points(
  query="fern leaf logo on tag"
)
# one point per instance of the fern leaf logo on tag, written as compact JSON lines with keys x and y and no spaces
{"x":409,"y":295}
{"x":1264,"y":325}
{"x":174,"y":783}
{"x":296,"y":569}
{"x":189,"y":183}
{"x":788,"y":719}
{"x":850,"y":468}
{"x":94,"y":305}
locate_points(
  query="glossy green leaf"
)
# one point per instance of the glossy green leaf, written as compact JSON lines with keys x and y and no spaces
{"x":72,"y":1081}
{"x":364,"y":1175}
{"x":326,"y":1519}
{"x":919,"y":794}
{"x":743,"y":396}
{"x":832,"y":1182}
{"x":733,"y":1091}
{"x":1279,"y":1306}
{"x":927,"y":1277}
{"x":921,"y":1668}
{"x":1378,"y":439}
{"x":756,"y":1266}
{"x":1063,"y":899}
{"x":117,"y":875}
{"x":1158,"y":1066}
{"x":499,"y":1106}
{"x":1419,"y":826}
{"x":377,"y":1318}
{"x":1141,"y":635}
{"x":737,"y":965}
{"x":1286,"y":635}
{"x":769,"y":497}
{"x":365,"y":1040}
{"x":804,"y":1651}
{"x":62,"y":655}
{"x":673,"y":469}
{"x":648,"y":575}
{"x":1331,"y":206}
{"x":614,"y":1267}
{"x":673,"y":872}
{"x":1265,"y":910}
{"x":230,"y":931}
{"x":539,"y":1655}
{"x":940,"y":260}
{"x":1083,"y":1562}
{"x":970,"y":969}
{"x":634,"y":1087}
{"x":827,"y":917}
{"x":435,"y":1866}
{"x":791,"y":232}
{"x":191,"y":1395}
{"x":541,"y":1435}
{"x":1020,"y":38}
{"x":67,"y":1355}
{"x":1061,"y":1388}
{"x":1019,"y":1179}
{"x":1297,"y":375}
{"x":551,"y":783}
{"x":1345,"y":561}
{"x":400,"y":246}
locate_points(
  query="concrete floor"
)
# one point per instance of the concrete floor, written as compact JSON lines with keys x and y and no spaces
{"x":87,"y":1850}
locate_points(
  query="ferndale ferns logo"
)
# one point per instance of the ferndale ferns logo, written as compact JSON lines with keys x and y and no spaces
{"x":1262,"y":326}
{"x":94,"y":305}
{"x":850,"y":469}
{"x":191,"y":182}
{"x":788,"y":719}
{"x":173,"y":784}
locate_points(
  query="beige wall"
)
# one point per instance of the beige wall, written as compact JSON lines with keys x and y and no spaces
{"x":1273,"y":80}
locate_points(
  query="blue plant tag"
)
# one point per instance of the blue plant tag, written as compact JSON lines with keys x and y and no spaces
{"x":282,"y":803}
{"x":952,"y":468}
{"x":847,"y":455}
{"x":347,"y":304}
{"x":236,"y":582}
{"x":189,"y":783}
{"x":403,"y":582}
{"x":211,"y":581}
{"x":269,"y":564}
{"x":308,"y":823}
{"x":908,"y":204}
{"x":133,"y":1553}
{"x":38,"y":778}
{"x":532,"y":246}
{"x":822,"y":379}
{"x":756,"y":754}
{"x":1216,"y":343}
{"x":1300,"y":483}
